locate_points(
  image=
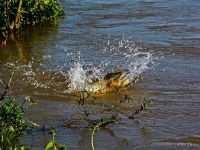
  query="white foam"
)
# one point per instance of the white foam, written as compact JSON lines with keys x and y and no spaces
{"x":124,"y":55}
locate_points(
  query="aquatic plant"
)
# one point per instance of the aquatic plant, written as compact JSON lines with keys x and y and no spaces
{"x":12,"y":124}
{"x":143,"y":106}
{"x":102,"y":123}
{"x":90,"y":116}
{"x":52,"y":143}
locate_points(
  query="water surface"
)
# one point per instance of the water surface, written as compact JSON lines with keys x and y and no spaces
{"x":103,"y":35}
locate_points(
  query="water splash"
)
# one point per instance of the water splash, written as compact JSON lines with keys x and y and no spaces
{"x":82,"y":68}
{"x":118,"y":55}
{"x":80,"y":78}
{"x":77,"y":77}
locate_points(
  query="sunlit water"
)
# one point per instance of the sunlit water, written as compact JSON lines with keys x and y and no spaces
{"x":159,"y":39}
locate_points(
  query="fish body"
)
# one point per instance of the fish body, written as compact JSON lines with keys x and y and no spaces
{"x":110,"y":82}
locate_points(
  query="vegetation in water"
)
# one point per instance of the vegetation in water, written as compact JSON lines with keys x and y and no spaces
{"x":12,"y":122}
{"x":102,"y":123}
{"x":52,"y":143}
{"x":16,"y":13}
{"x":91,"y":115}
{"x":13,"y":126}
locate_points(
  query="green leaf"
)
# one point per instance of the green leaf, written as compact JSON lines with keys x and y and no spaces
{"x":50,"y":145}
{"x":62,"y":147}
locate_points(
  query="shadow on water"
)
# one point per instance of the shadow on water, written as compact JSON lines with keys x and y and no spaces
{"x":29,"y":44}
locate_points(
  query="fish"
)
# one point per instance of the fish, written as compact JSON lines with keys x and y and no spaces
{"x":112,"y":81}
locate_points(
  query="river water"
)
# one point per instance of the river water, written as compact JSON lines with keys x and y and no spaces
{"x":159,"y":39}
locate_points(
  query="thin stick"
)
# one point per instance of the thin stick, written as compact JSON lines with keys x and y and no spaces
{"x":10,"y":80}
{"x":6,"y":87}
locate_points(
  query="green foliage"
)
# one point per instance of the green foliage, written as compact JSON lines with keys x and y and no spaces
{"x":52,"y":143}
{"x":12,"y":124}
{"x":41,"y":11}
{"x":102,"y":123}
{"x":16,"y":13}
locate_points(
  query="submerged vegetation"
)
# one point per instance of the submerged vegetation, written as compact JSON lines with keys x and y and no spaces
{"x":15,"y":14}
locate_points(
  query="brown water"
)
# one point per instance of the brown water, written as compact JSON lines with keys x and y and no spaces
{"x":168,"y":30}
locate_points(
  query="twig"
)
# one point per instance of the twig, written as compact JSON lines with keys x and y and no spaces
{"x":142,"y":107}
{"x":6,"y":87}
